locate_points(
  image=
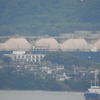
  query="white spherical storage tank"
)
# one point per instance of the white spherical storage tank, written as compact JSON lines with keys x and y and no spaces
{"x":17,"y":44}
{"x":49,"y":43}
{"x":76,"y":45}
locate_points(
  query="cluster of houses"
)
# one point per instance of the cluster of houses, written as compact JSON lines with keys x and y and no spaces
{"x":33,"y":63}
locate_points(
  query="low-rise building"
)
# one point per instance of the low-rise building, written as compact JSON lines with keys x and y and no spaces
{"x":23,"y":56}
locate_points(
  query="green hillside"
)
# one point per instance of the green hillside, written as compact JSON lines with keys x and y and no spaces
{"x":52,"y":17}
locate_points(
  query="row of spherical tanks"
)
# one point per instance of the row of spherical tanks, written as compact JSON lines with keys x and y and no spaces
{"x":49,"y":43}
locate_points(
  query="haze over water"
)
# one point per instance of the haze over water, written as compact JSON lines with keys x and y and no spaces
{"x":40,"y":95}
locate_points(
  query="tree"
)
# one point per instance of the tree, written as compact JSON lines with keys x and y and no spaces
{"x":78,"y":85}
{"x":65,"y":59}
{"x":6,"y":59}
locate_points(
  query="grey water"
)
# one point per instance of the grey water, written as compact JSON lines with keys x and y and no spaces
{"x":40,"y":95}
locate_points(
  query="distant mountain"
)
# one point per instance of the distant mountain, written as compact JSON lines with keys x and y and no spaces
{"x":52,"y":17}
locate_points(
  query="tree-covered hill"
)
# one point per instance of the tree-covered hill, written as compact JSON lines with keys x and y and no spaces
{"x":68,"y":60}
{"x":53,"y":17}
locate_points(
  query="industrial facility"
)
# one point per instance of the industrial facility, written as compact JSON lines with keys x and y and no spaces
{"x":78,"y":46}
{"x":49,"y":44}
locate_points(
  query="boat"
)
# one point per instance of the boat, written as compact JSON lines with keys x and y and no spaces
{"x":93,"y":92}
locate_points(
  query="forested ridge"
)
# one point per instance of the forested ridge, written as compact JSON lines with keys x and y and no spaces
{"x":52,"y":17}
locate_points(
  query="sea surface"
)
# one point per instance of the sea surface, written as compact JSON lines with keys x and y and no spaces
{"x":40,"y":95}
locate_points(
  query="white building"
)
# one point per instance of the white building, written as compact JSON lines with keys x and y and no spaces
{"x":22,"y":56}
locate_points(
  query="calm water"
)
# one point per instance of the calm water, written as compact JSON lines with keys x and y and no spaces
{"x":40,"y":95}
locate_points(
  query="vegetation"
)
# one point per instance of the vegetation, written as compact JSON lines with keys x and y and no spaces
{"x":53,"y":17}
{"x":80,"y":84}
{"x":10,"y":78}
{"x":6,"y":59}
{"x":24,"y":80}
{"x":68,"y":60}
